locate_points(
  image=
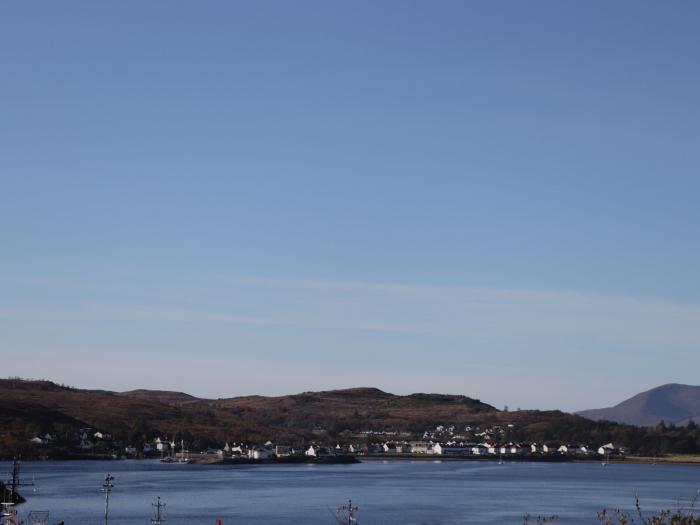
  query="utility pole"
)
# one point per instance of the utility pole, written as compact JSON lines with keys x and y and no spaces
{"x":107,"y":488}
{"x":157,"y":517}
{"x":346,"y":514}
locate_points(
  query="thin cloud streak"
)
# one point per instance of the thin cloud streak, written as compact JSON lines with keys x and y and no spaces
{"x":138,"y":313}
{"x":429,"y":338}
{"x":401,"y":309}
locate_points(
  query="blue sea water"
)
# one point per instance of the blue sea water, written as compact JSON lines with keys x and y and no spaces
{"x":387,"y":492}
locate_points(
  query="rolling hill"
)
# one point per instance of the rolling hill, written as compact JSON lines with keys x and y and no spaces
{"x":33,"y":408}
{"x":671,"y":403}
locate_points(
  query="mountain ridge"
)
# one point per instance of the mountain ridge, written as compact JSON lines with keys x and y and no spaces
{"x":673,"y":403}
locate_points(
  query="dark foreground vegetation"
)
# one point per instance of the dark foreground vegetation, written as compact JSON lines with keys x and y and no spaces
{"x":679,"y":516}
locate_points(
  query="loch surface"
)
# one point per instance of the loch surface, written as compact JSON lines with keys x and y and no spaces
{"x":387,"y":492}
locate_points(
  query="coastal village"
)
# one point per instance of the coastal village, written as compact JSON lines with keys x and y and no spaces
{"x":440,"y":441}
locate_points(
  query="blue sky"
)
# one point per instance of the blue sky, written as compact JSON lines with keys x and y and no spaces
{"x":498,"y":198}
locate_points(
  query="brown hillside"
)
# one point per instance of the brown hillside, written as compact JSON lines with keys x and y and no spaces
{"x":161,"y":396}
{"x":30,"y":408}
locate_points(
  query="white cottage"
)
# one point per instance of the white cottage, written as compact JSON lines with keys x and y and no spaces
{"x":318,"y":452}
{"x":420,"y":447}
{"x":260,"y":453}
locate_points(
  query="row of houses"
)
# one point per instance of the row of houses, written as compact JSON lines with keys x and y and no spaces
{"x":87,"y":439}
{"x":83,"y":439}
{"x":485,"y":449}
{"x":482,"y":449}
{"x":414,"y":448}
{"x":268,"y":450}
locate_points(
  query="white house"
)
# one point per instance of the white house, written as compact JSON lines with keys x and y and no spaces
{"x":608,"y":448}
{"x":318,"y":452}
{"x":161,"y":444}
{"x":238,"y":450}
{"x":479,"y":450}
{"x":516,"y":450}
{"x":260,"y":453}
{"x":420,"y":447}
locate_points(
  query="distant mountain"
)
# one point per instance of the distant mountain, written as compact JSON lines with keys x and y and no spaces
{"x":672,"y":403}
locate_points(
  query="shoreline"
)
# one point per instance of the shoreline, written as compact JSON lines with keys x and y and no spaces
{"x":674,"y":459}
{"x":690,"y":460}
{"x":677,"y":459}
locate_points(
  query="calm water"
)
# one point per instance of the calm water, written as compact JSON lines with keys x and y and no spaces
{"x":389,"y":492}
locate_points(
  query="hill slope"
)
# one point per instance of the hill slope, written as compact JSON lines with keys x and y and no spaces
{"x":672,"y":403}
{"x":32,"y":408}
{"x":161,"y":396}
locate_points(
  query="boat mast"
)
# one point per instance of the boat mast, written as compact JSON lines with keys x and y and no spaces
{"x":15,"y":482}
{"x":157,"y":517}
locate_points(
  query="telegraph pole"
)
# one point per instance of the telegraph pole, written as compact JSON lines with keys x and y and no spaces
{"x":346,"y":514}
{"x":107,"y":487}
{"x":157,"y":517}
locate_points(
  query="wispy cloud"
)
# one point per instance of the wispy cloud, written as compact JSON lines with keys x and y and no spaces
{"x":386,"y":307}
{"x":106,"y":312}
{"x":448,"y":332}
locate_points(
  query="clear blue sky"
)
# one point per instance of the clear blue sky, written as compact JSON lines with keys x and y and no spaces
{"x":492,"y":198}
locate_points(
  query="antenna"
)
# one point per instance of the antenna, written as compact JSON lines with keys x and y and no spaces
{"x":157,"y":517}
{"x":346,"y":514}
{"x":107,"y":487}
